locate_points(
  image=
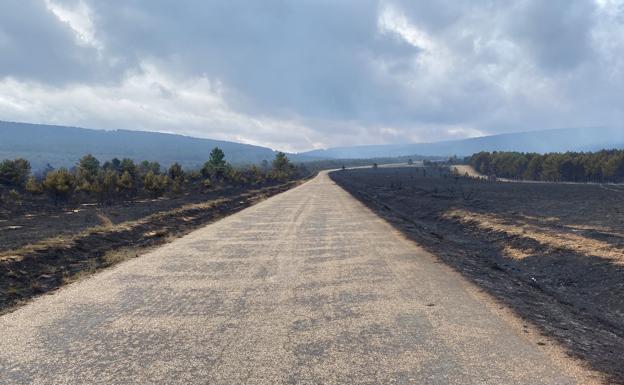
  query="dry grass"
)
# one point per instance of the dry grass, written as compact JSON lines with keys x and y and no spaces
{"x":547,"y":236}
{"x":115,"y":256}
{"x":108,"y":227}
{"x":467,"y":170}
{"x":104,"y":220}
{"x":516,"y":253}
{"x":541,"y":219}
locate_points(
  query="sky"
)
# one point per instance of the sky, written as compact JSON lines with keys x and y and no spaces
{"x":305,"y":74}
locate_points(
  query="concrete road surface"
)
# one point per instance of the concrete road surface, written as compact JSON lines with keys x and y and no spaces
{"x":308,"y":287}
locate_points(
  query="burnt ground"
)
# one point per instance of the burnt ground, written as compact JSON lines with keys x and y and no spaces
{"x":40,"y":250}
{"x":553,"y":253}
{"x":38,"y":219}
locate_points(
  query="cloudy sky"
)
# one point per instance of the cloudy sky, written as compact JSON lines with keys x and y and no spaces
{"x":303,"y":74}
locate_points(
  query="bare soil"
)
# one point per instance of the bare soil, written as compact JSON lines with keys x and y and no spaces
{"x":554,"y":253}
{"x":40,"y":250}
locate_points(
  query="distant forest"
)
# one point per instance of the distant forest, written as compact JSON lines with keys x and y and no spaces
{"x":606,"y":166}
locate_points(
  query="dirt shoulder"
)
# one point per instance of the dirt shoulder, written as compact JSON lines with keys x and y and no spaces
{"x":554,"y":254}
{"x":47,"y":264}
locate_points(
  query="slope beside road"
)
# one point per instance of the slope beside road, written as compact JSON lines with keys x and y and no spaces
{"x":307,"y":287}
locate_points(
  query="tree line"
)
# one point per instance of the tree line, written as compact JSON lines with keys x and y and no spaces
{"x":606,"y":166}
{"x":124,"y":179}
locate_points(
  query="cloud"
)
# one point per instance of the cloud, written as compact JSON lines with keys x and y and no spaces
{"x":557,"y":33}
{"x":313,"y":73}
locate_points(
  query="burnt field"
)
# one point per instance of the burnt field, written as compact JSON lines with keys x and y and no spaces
{"x":43,"y":247}
{"x":39,"y":219}
{"x":554,"y":253}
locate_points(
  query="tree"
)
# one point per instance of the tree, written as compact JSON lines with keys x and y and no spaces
{"x":33,"y":186}
{"x":534,"y":168}
{"x":88,"y":167}
{"x":550,"y":171}
{"x":282,"y":168}
{"x":216,"y":165}
{"x":147,"y":166}
{"x":107,"y":180}
{"x":571,"y":169}
{"x":175,"y":172}
{"x":126,"y":184}
{"x":613,"y":168}
{"x":86,"y":174}
{"x":255,"y":175}
{"x":114,"y":165}
{"x":59,"y":184}
{"x":482,"y":162}
{"x":14,"y":173}
{"x":156,"y":184}
{"x":127,"y":165}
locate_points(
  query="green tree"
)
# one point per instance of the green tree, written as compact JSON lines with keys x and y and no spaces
{"x":126,"y":184}
{"x":147,"y":166}
{"x":33,"y":186}
{"x":534,"y":168}
{"x":59,"y":184}
{"x":282,"y":168}
{"x":86,"y":174}
{"x":155,"y":184}
{"x":613,"y":168}
{"x":482,"y":162}
{"x":88,"y":167}
{"x":550,"y":171}
{"x":14,"y":173}
{"x":107,"y":180}
{"x":216,"y":166}
{"x":128,"y":165}
{"x":114,"y":164}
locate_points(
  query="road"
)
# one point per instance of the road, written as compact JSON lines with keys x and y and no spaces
{"x":307,"y":287}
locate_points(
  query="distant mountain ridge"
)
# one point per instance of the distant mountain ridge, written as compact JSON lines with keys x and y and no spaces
{"x":554,"y":140}
{"x":62,"y":146}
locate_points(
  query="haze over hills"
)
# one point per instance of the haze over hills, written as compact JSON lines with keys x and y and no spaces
{"x":556,"y":140}
{"x":62,"y":146}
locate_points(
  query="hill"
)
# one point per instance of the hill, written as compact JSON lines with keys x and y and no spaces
{"x":63,"y":146}
{"x":557,"y":140}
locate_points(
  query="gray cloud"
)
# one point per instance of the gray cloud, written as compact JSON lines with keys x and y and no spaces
{"x":35,"y":45}
{"x":297,"y":75}
{"x":557,"y":32}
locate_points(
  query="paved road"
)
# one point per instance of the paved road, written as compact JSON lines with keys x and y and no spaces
{"x":308,"y":287}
